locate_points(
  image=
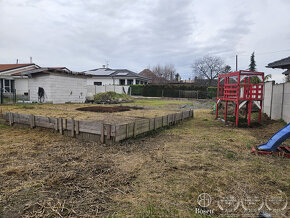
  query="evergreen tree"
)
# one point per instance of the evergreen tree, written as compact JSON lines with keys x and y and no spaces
{"x":252,"y":66}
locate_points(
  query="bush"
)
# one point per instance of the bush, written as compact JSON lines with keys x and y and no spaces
{"x":137,"y":89}
{"x":170,"y":90}
{"x":112,"y":98}
{"x":212,"y":92}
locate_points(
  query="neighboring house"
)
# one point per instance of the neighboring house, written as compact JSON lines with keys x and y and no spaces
{"x":153,"y":78}
{"x":282,"y":64}
{"x":107,"y":76}
{"x":52,"y":85}
{"x":11,"y":78}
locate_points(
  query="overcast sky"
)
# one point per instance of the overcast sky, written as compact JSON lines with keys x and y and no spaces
{"x":132,"y":34}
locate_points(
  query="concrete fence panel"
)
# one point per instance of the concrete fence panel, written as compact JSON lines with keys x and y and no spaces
{"x":276,"y":102}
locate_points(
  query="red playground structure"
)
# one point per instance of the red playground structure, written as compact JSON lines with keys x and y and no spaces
{"x":242,"y":87}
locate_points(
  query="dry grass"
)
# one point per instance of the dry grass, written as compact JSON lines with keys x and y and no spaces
{"x":69,"y":110}
{"x":46,"y":174}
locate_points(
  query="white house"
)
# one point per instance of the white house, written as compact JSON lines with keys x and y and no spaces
{"x":60,"y":85}
{"x":12,"y":77}
{"x":52,"y":85}
{"x":107,"y":76}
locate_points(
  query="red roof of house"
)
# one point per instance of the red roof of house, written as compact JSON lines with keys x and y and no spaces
{"x":5,"y":67}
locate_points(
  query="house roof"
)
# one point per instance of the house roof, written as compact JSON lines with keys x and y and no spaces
{"x":51,"y":70}
{"x":283,"y":63}
{"x":107,"y":72}
{"x":286,"y":73}
{"x":6,"y":67}
{"x":153,"y":78}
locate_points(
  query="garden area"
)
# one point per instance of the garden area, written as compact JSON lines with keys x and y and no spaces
{"x":161,"y":174}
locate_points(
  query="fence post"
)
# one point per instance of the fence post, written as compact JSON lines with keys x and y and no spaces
{"x":273,"y":83}
{"x":32,"y":121}
{"x":102,"y":133}
{"x":61,"y":126}
{"x":283,"y":92}
{"x":72,"y":127}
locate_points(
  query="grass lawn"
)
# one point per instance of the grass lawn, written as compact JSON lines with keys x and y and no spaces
{"x":162,"y":174}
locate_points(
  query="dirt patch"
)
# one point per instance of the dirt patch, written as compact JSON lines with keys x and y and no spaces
{"x":108,"y":109}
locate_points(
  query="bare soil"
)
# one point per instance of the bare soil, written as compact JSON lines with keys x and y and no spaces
{"x":108,"y":109}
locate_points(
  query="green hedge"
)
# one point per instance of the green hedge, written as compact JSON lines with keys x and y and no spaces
{"x":212,"y":92}
{"x":166,"y":90}
{"x":137,"y":89}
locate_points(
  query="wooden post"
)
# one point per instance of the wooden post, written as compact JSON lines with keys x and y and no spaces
{"x":135,"y":129}
{"x":149,"y":123}
{"x":162,"y":121}
{"x":32,"y":121}
{"x":155,"y":123}
{"x":127,"y":130}
{"x":56,"y":124}
{"x":77,"y":126}
{"x":109,"y":128}
{"x":64,"y":124}
{"x":102,"y":133}
{"x":72,"y":127}
{"x":61,"y":126}
{"x":10,"y":116}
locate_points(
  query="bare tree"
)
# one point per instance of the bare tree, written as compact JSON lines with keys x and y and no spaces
{"x":208,"y":67}
{"x":166,"y":72}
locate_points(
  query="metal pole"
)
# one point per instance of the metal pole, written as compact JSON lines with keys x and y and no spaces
{"x":236,"y":62}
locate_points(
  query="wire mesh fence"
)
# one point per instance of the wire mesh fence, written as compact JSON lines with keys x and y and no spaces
{"x":8,"y":97}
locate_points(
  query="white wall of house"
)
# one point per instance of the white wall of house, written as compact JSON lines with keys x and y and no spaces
{"x":104,"y":80}
{"x":59,"y":88}
{"x":21,"y":85}
{"x":113,"y":81}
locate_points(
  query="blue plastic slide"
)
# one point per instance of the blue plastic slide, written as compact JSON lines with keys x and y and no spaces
{"x":276,"y":139}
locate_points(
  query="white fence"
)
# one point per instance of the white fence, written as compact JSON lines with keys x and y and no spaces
{"x":92,"y":90}
{"x":277,"y":101}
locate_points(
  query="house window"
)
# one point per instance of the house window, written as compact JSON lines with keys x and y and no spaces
{"x":97,"y":83}
{"x":8,"y":85}
{"x":129,"y":82}
{"x":141,"y":82}
{"x":122,"y":82}
{"x":137,"y":82}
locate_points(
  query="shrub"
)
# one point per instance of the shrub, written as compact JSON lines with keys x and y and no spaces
{"x":212,"y":92}
{"x":137,"y":89}
{"x":112,"y":98}
{"x":170,"y":90}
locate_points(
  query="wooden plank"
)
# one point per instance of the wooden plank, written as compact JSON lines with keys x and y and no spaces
{"x":90,"y":127}
{"x":155,"y":125}
{"x":73,"y":127}
{"x":102,"y":133}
